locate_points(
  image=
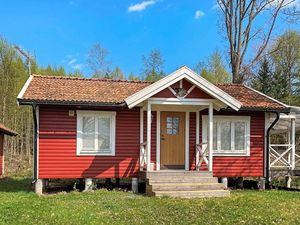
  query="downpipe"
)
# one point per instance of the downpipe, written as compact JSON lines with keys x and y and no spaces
{"x":267,"y":166}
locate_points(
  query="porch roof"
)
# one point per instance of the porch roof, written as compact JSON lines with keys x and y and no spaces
{"x":93,"y":91}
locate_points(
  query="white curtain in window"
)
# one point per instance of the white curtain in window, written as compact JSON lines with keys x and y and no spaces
{"x":239,"y":135}
{"x":88,"y":132}
{"x":225,"y":135}
{"x":103,"y":133}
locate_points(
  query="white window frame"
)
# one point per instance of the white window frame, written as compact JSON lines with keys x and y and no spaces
{"x":232,"y":119}
{"x":95,"y":151}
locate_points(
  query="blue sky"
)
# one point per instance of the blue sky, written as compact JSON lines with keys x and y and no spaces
{"x":60,"y":32}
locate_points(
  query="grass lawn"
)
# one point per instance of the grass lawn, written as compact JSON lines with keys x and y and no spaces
{"x":19,"y":205}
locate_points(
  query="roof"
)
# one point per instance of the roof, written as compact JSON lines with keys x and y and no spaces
{"x":79,"y":90}
{"x":73,"y":90}
{"x":5,"y":130}
{"x":250,"y":98}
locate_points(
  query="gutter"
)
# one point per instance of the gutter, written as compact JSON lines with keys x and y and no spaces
{"x":267,"y":161}
{"x":62,"y":103}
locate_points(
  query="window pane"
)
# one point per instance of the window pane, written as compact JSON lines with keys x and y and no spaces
{"x":239,"y":135}
{"x":225,"y":135}
{"x":104,"y":133}
{"x":175,"y":125}
{"x":215,"y":134}
{"x":88,"y":132}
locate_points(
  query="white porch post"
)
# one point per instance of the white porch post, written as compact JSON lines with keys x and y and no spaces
{"x":210,"y":138}
{"x":293,"y":134}
{"x":148,"y":136}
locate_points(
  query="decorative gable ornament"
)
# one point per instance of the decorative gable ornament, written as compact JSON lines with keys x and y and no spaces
{"x":180,"y":92}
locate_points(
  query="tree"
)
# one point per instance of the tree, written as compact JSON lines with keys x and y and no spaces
{"x":117,"y":74}
{"x":242,"y":27}
{"x":51,"y":71}
{"x":13,"y":74}
{"x":280,"y":87}
{"x":133,"y":77}
{"x":285,"y":54}
{"x":214,"y":69}
{"x":153,"y":65}
{"x":264,"y":77}
{"x":97,"y":61}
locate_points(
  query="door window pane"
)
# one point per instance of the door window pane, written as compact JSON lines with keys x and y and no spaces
{"x":239,"y":135}
{"x":104,"y":133}
{"x":169,"y":125}
{"x":88,"y":132}
{"x":225,"y":135}
{"x":172,"y":125}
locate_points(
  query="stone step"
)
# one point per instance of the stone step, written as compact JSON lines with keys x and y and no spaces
{"x":193,"y":194}
{"x":185,"y":186}
{"x":178,"y":174}
{"x":182,"y":180}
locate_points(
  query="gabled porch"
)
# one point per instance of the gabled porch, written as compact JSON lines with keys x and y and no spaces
{"x":167,"y":108}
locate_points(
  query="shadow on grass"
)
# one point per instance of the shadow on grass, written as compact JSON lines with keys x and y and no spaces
{"x":15,"y":184}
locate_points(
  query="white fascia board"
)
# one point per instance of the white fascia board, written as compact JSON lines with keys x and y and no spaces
{"x":174,"y":77}
{"x":24,"y":88}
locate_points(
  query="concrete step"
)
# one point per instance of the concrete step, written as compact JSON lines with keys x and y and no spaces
{"x":185,"y":186}
{"x":193,"y":194}
{"x":178,"y":174}
{"x":181,"y":179}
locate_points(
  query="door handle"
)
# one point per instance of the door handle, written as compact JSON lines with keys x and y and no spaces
{"x":162,"y":138}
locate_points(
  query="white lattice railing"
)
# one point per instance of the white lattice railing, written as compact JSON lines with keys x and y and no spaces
{"x":201,"y":156}
{"x":143,"y":155}
{"x":281,"y":156}
{"x":297,"y":161}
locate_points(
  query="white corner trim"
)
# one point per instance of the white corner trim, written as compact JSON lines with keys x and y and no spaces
{"x":187,"y":138}
{"x":24,"y":88}
{"x":191,"y":76}
{"x":273,"y":99}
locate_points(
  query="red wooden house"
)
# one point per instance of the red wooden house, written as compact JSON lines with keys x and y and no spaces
{"x":4,"y":131}
{"x":181,"y":126}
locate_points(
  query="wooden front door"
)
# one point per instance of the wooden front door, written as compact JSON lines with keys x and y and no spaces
{"x":172,"y":150}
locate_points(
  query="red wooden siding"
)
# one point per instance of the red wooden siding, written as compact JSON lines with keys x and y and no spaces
{"x":166,"y":93}
{"x":1,"y":154}
{"x":57,"y":147}
{"x":197,"y":93}
{"x":192,"y":141}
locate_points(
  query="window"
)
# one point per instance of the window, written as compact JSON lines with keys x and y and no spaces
{"x":96,"y":132}
{"x":172,"y":125}
{"x":231,"y":134}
